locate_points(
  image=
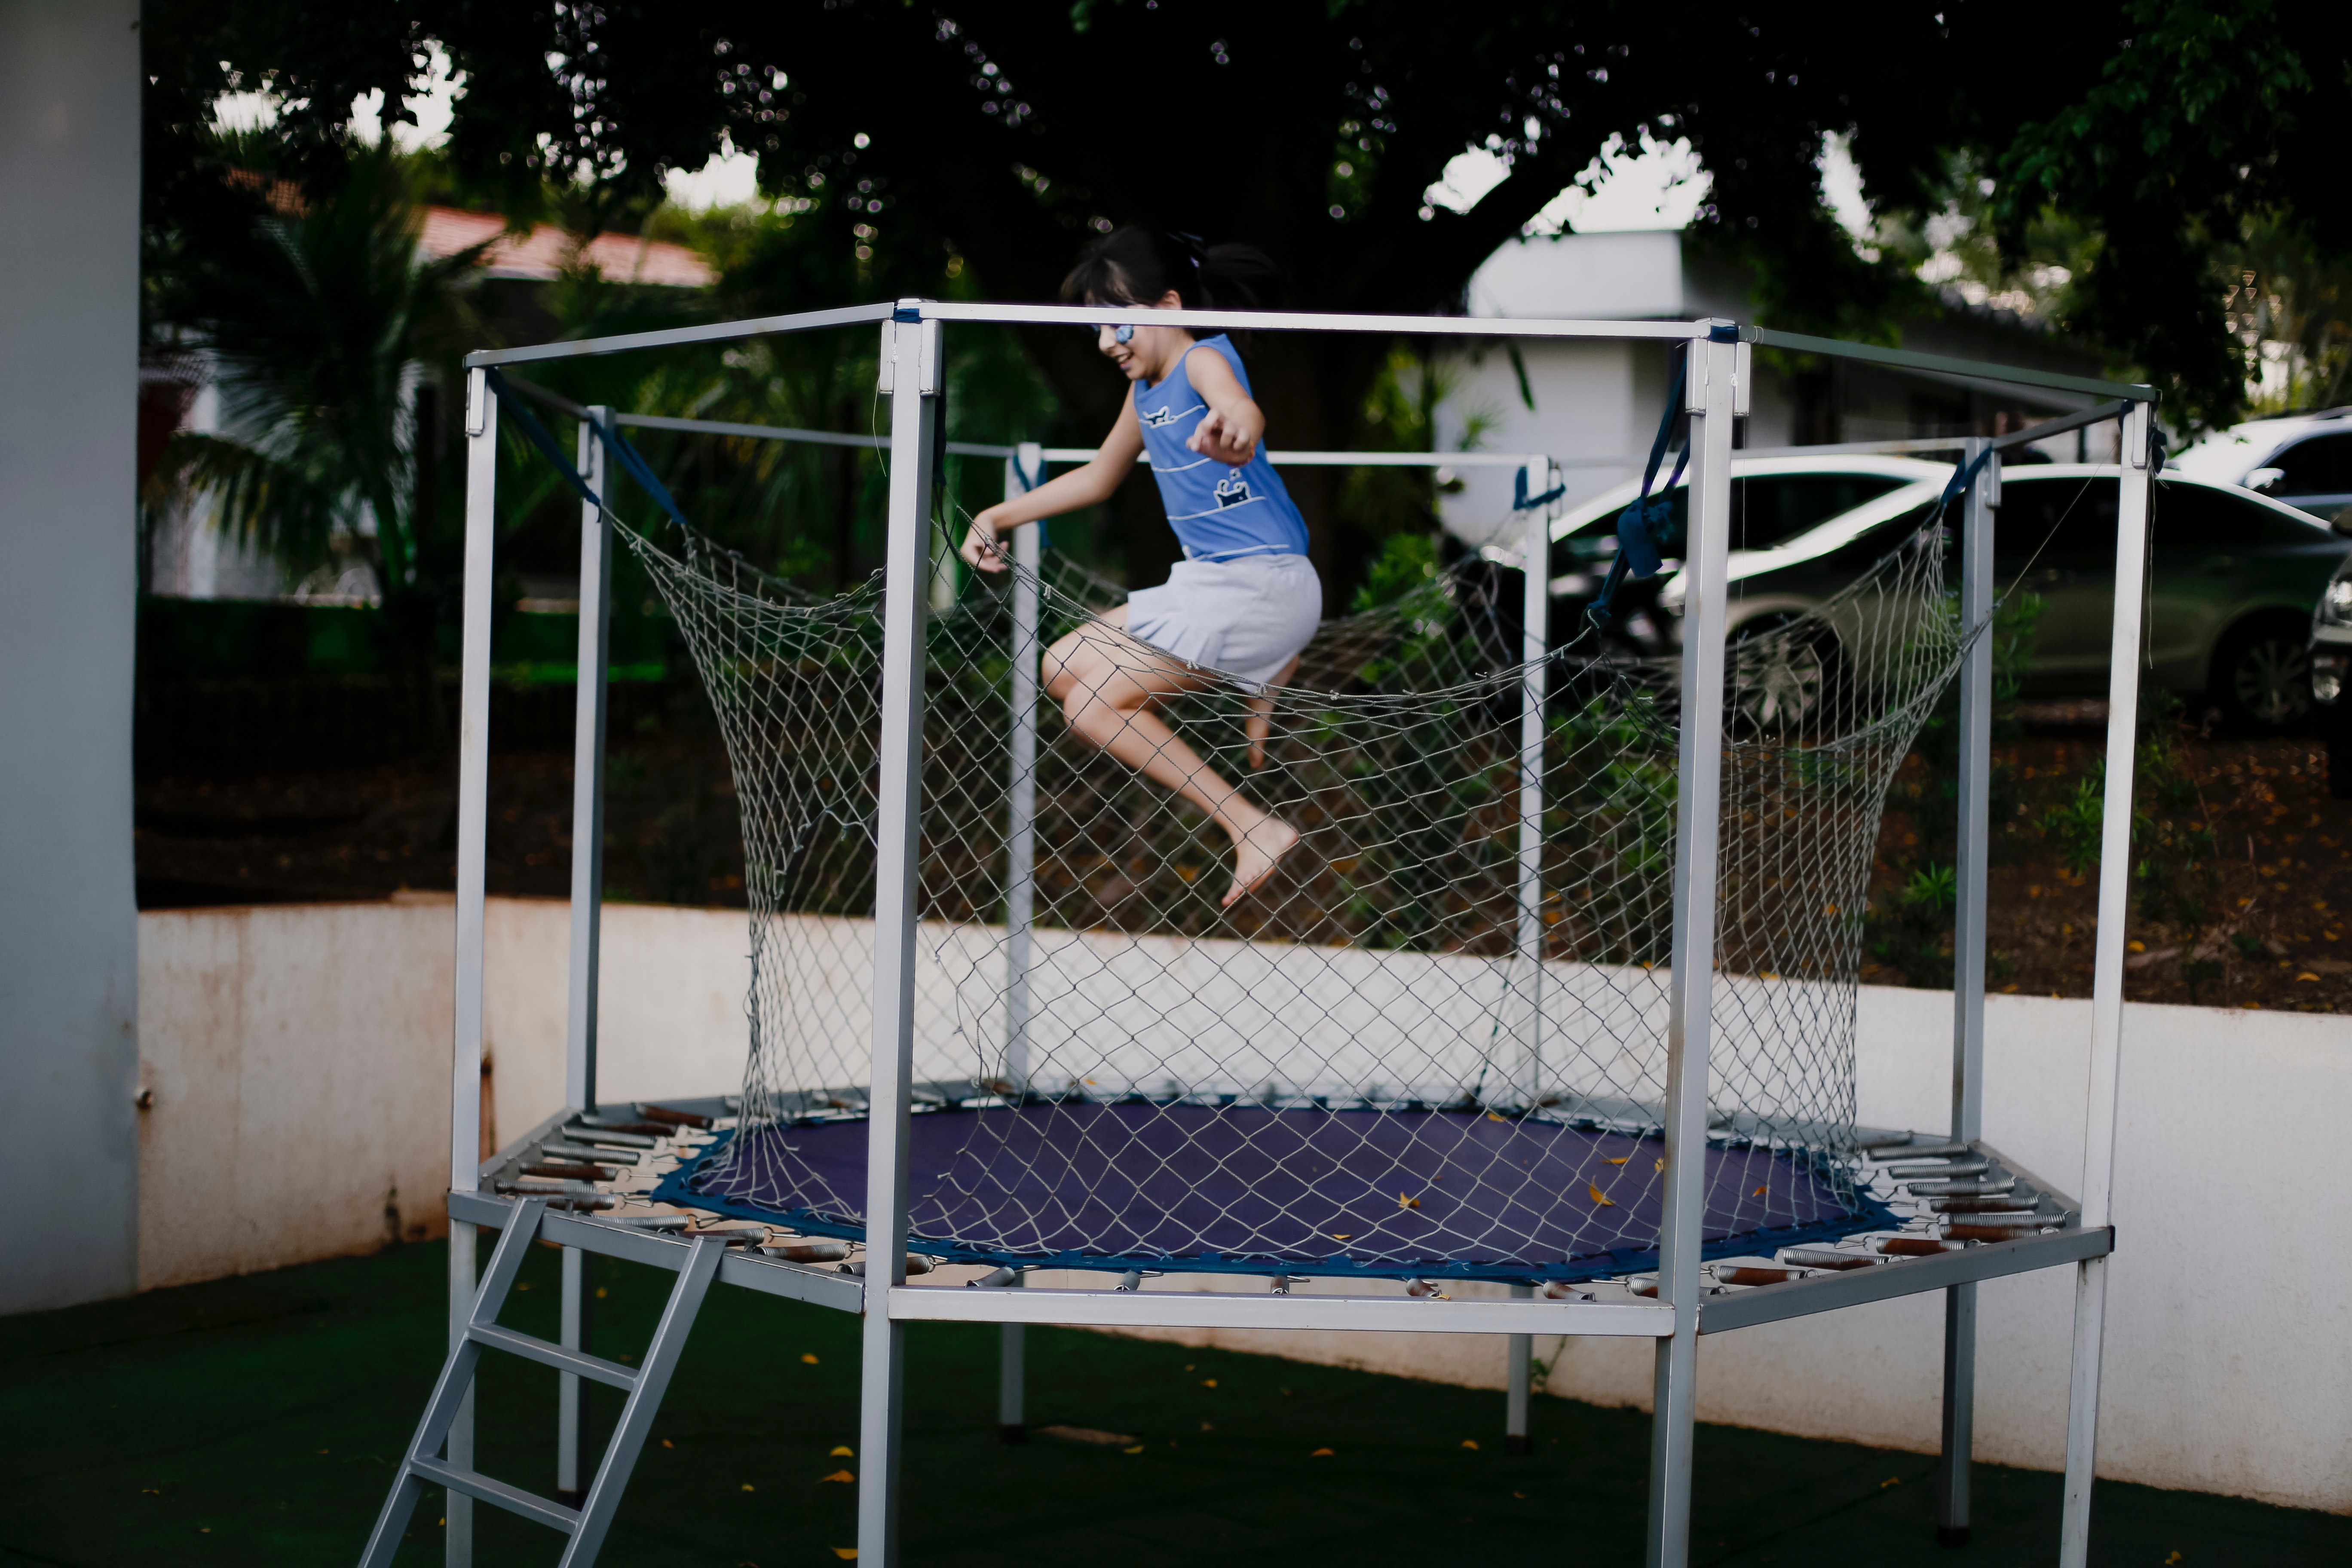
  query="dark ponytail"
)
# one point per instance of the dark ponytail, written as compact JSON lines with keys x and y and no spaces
{"x":1132,"y":264}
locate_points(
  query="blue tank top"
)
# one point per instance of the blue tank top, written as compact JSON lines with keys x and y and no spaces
{"x":1219,"y":512}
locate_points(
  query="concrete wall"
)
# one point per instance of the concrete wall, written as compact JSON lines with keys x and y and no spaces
{"x":68,"y":388}
{"x":298,"y":1055}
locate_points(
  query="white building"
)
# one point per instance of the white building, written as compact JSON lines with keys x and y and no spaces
{"x":1594,"y":406}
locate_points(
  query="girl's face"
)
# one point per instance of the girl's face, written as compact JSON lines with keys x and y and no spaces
{"x":1146,"y":353}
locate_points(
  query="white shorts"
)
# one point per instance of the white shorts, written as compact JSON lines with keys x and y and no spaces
{"x":1246,"y":618}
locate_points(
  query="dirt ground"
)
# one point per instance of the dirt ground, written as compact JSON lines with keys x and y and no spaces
{"x":2241,"y":832}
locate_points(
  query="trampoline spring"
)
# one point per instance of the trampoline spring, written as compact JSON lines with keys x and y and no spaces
{"x":1747,"y":1274}
{"x":1907,"y":1151}
{"x":590,"y":1156}
{"x":733,"y":1235}
{"x":545,"y":1189}
{"x":1561,"y":1291}
{"x":1967,"y":1186}
{"x":807,"y":1251}
{"x":1992,"y":1232}
{"x":1422,"y":1289}
{"x":1917,"y":1247}
{"x":1976,"y":1167}
{"x":648,"y":1130}
{"x":915,"y":1264}
{"x":583,"y":1133}
{"x":2011,"y":1218}
{"x":654,"y":1221}
{"x":1980,"y":1205}
{"x":993,"y":1280}
{"x":572,"y":1173}
{"x":1130,"y":1280}
{"x":675,"y":1117}
{"x":1826,"y":1257}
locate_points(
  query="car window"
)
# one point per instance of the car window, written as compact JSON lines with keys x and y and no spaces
{"x":1771,"y":508}
{"x":2199,"y":517}
{"x":2320,"y":466}
{"x":2054,"y":517}
{"x":1766,"y":510}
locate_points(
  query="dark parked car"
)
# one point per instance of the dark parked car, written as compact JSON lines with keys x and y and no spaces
{"x":2234,"y":576}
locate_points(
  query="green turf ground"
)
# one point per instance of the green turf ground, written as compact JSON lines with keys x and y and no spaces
{"x":254,"y":1421}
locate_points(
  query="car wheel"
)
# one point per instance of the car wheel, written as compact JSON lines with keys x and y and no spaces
{"x":1780,"y":672}
{"x":2262,"y":677}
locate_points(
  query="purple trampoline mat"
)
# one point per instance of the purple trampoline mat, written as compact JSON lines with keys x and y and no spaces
{"x":1192,"y":1186}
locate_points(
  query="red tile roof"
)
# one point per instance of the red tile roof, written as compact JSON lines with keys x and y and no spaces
{"x":546,"y":249}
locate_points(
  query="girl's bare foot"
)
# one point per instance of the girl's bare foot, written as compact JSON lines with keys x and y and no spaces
{"x":1255,"y":855}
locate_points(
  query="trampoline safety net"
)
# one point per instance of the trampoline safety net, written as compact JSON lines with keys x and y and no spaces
{"x":1408,"y":1054}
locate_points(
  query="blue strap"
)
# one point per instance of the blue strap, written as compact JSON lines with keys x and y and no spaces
{"x":632,"y":461}
{"x":1637,"y":550}
{"x":1522,"y":501}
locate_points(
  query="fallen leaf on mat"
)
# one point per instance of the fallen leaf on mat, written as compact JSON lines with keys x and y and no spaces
{"x":1470,"y":1443}
{"x":837,"y":1476}
{"x":667,"y":1444}
{"x":843,"y":1452}
{"x":846,"y":1553}
{"x":1407,"y":1203}
{"x":808,"y":1358}
{"x":1208,"y":1383}
{"x":1617,"y":1161}
{"x":1603,"y":1199}
{"x":1757,"y":1193}
{"x":747,"y":1486}
{"x":1343,"y":1235}
{"x":1492,"y":1117}
{"x":1320,"y":1454}
{"x":1137,"y":1449}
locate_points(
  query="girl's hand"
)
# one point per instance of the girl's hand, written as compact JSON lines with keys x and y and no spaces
{"x":981,"y":548}
{"x":1222,"y":438}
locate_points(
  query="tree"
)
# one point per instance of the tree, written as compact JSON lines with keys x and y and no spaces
{"x":1004,"y":133}
{"x":323,"y":329}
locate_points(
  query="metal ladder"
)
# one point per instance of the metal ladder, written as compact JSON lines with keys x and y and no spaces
{"x":645,"y":1384}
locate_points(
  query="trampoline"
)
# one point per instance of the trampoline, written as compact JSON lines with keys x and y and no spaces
{"x":1555,"y":996}
{"x":1304,"y":1191}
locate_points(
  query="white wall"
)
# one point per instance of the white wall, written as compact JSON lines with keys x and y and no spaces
{"x":68,"y":386}
{"x":300,"y":1057}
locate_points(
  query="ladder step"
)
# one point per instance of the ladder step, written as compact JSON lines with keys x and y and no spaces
{"x":578,"y":1361}
{"x":514,"y":1499}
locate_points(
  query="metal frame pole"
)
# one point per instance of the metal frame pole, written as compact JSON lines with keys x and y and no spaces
{"x":1518,"y":1357}
{"x":1535,"y":642}
{"x":1952,"y":1482}
{"x":1969,"y":968}
{"x":473,"y":836}
{"x":913,"y":362}
{"x":593,"y":669}
{"x":2107,"y":983}
{"x":1715,"y":393}
{"x":1023,"y":472}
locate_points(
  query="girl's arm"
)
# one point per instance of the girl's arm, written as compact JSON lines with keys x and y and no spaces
{"x":1228,"y":433}
{"x":1091,"y":484}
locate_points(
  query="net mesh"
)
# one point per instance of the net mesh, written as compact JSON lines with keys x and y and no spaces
{"x":1411,"y":1050}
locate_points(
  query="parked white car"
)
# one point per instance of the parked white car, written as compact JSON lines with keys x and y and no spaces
{"x":2303,"y":459}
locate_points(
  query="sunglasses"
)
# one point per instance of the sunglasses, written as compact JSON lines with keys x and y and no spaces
{"x":1125,"y":334}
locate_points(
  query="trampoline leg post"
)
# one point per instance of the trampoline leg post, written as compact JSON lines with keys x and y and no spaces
{"x":1959,"y":1415}
{"x":1969,"y":973}
{"x":2107,"y":981}
{"x":473,"y":842}
{"x":912,"y":350}
{"x":1011,"y":1373}
{"x":1515,"y":1399}
{"x":1716,"y":394}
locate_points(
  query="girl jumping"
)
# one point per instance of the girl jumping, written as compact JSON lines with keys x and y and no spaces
{"x":1244,"y":600}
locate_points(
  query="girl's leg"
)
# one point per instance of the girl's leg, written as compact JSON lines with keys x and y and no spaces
{"x":1261,"y":713}
{"x":1108,"y":684}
